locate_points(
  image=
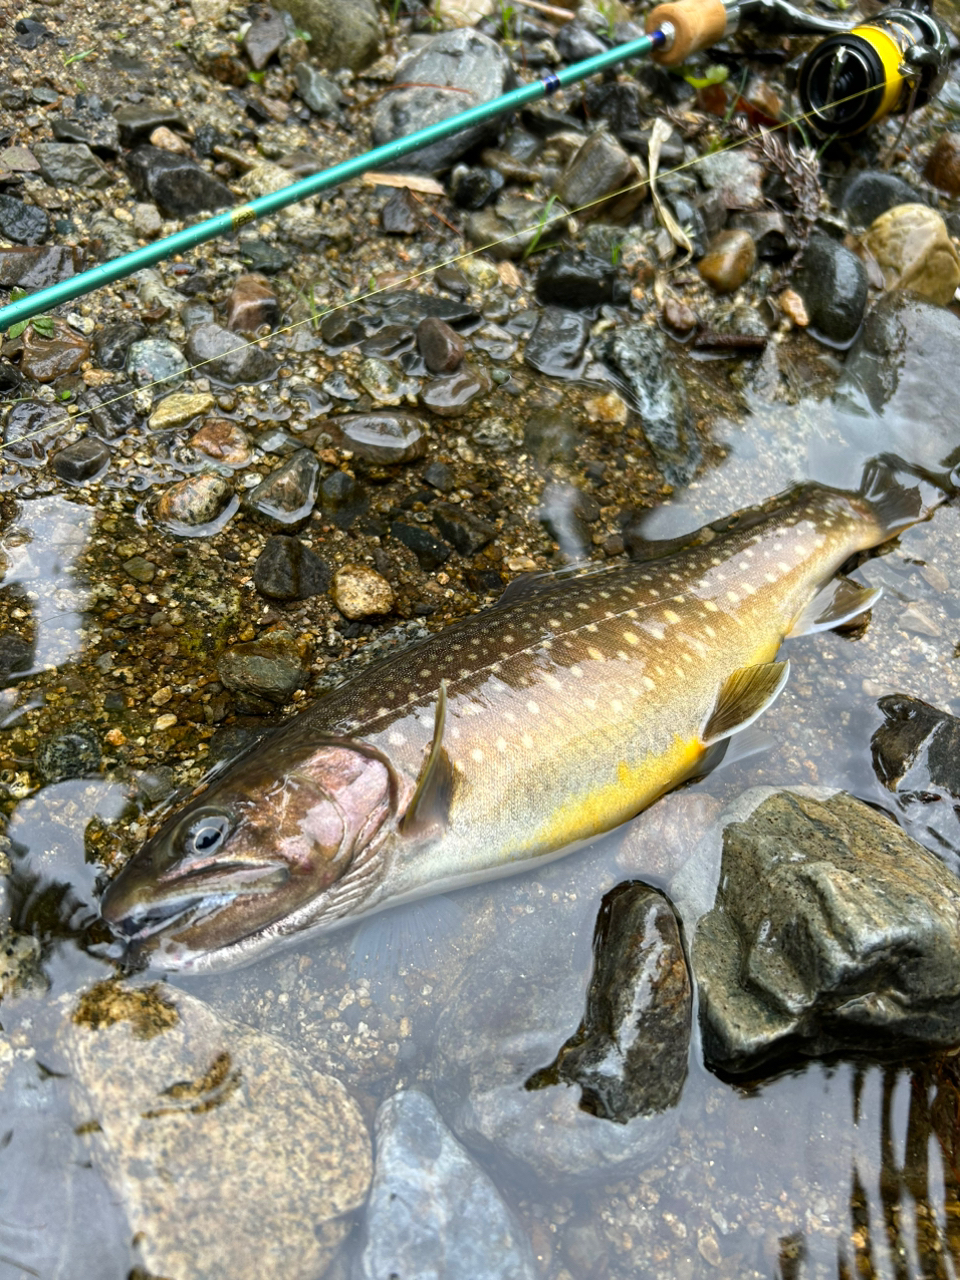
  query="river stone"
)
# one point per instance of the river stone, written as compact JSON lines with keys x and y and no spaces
{"x":728,"y":261}
{"x":30,"y":428}
{"x":831,"y":929}
{"x":895,"y":393}
{"x":451,"y":394}
{"x":114,"y":341}
{"x":943,"y":166}
{"x":175,"y":183}
{"x":74,"y":753}
{"x":224,"y":441}
{"x":287,"y":569}
{"x":194,"y":503}
{"x":430,"y":551}
{"x":870,"y":192}
{"x":833,"y":284}
{"x":360,"y":592}
{"x":558,"y":343}
{"x":647,"y":376}
{"x":34,"y":267}
{"x":271,"y":668}
{"x":156,"y":360}
{"x":408,"y":307}
{"x":515,"y":225}
{"x":452,"y":72}
{"x":21,"y":222}
{"x":228,"y":358}
{"x":252,"y":302}
{"x":579,"y":280}
{"x":177,"y":1093}
{"x":287,"y":495}
{"x":46,"y":358}
{"x":734,"y":176}
{"x":433,"y":1212}
{"x":629,"y":1054}
{"x":82,"y":461}
{"x":473,"y":186}
{"x":913,"y":248}
{"x":440,"y":345}
{"x":601,"y":167}
{"x":464,"y":528}
{"x":343,"y":33}
{"x":916,"y":755}
{"x":512,"y":1010}
{"x":71,"y":164}
{"x":179,"y":408}
{"x":264,"y":36}
{"x":377,"y":437}
{"x":136,"y":122}
{"x":321,"y":94}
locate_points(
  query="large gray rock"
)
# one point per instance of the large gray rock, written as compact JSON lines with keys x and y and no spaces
{"x":831,"y":929}
{"x":343,"y":33}
{"x":433,"y":1212}
{"x":476,"y":70}
{"x":916,"y":755}
{"x":232,"y":1157}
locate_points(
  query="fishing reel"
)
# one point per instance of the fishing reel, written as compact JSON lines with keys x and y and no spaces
{"x":895,"y":62}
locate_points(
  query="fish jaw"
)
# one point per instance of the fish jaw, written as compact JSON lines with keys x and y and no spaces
{"x":253,"y":854}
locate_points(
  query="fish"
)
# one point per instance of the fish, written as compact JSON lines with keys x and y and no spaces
{"x":512,"y":737}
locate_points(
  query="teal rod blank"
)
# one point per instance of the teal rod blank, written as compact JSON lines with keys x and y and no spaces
{"x":231,"y":220}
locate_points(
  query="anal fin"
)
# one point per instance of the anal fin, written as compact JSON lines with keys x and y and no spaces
{"x":743,"y":696}
{"x":840,"y":601}
{"x":429,"y":809}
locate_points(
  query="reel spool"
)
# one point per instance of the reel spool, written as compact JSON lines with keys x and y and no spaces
{"x":893,"y":63}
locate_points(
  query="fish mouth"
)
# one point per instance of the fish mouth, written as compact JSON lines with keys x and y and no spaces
{"x":187,"y":902}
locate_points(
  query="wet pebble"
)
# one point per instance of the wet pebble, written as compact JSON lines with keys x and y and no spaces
{"x":224,"y":441}
{"x":114,"y":341}
{"x":82,"y":461}
{"x":557,"y":345}
{"x":451,"y":394}
{"x":264,"y":36}
{"x":360,"y":592}
{"x":178,"y":1091}
{"x":441,"y":346}
{"x":35,"y":267}
{"x":70,"y":164}
{"x":226,"y":357}
{"x":156,"y":360}
{"x":734,"y":176}
{"x":430,"y":551}
{"x":869,"y":192}
{"x":287,"y":495}
{"x":73,"y":754}
{"x":377,"y":437}
{"x":550,"y":436}
{"x":833,"y":284}
{"x":193,"y":503}
{"x":21,"y":222}
{"x":342,"y":497}
{"x":252,"y":303}
{"x":513,"y":225}
{"x":140,"y":569}
{"x":47,"y":358}
{"x":432,"y":1209}
{"x":175,"y":183}
{"x":461,"y":526}
{"x":400,"y":216}
{"x":287,"y":569}
{"x":321,"y":94}
{"x":943,"y":166}
{"x":601,"y":167}
{"x":728,"y":261}
{"x":914,"y":251}
{"x":383,"y":382}
{"x":343,"y":33}
{"x":271,"y":668}
{"x":29,"y":429}
{"x":577,"y":280}
{"x":179,"y":408}
{"x":137,"y":121}
{"x":16,"y":654}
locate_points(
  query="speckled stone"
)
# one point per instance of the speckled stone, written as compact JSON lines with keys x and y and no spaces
{"x":361,"y":592}
{"x":224,"y":441}
{"x":178,"y":1093}
{"x":194,"y":502}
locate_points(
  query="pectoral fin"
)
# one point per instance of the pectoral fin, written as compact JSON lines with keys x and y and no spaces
{"x":743,"y":696}
{"x":837,"y":603}
{"x":430,"y":807}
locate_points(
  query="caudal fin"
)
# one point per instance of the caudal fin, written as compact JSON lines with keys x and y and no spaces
{"x":899,"y":495}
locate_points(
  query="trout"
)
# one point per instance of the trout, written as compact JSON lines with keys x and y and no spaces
{"x":511,"y":737}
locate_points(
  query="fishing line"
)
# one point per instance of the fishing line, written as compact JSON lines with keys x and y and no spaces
{"x":542,"y":222}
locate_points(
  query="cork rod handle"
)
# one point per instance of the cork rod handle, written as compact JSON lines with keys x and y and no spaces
{"x":697,"y":24}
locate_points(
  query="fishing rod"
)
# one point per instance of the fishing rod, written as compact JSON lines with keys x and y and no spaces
{"x":896,"y":61}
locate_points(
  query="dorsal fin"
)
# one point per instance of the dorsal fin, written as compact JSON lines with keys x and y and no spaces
{"x":430,"y":807}
{"x":529,"y":585}
{"x":742,"y":697}
{"x":837,"y":603}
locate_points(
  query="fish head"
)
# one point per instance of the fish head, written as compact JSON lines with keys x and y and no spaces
{"x":261,"y":848}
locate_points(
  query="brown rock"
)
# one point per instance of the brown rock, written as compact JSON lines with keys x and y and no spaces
{"x":729,"y":260}
{"x":45,"y":359}
{"x":167,"y":140}
{"x":943,"y":166}
{"x":224,"y":441}
{"x":36,"y":266}
{"x":252,"y":303}
{"x":441,"y":347}
{"x":913,"y":249}
{"x":192,"y":503}
{"x":679,"y":315}
{"x":360,"y":592}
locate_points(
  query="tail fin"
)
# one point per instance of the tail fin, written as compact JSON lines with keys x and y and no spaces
{"x":899,"y":494}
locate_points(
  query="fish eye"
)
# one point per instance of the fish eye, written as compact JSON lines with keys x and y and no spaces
{"x":206,"y":834}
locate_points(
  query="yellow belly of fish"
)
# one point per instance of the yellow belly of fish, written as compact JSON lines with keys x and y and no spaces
{"x":589,"y":813}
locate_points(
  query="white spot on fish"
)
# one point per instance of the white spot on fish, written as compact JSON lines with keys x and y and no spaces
{"x":595,"y":654}
{"x":710,"y":606}
{"x":533,"y":708}
{"x":501,"y":744}
{"x":526,"y":741}
{"x":576,"y":671}
{"x":396,"y":739}
{"x":671,"y":616}
{"x":648,"y":683}
{"x":631,"y":638}
{"x":477,"y":754}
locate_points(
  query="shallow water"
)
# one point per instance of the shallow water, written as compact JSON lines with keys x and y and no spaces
{"x":826,"y":1169}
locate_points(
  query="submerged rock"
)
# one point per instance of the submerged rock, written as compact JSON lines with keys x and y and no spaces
{"x":177,"y":1093}
{"x":830,"y":930}
{"x":227,"y":357}
{"x":433,"y":1211}
{"x":287,"y":495}
{"x":270,"y":668}
{"x":916,"y":755}
{"x":629,"y":1054}
{"x":287,"y":569}
{"x":558,"y":343}
{"x":360,"y":592}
